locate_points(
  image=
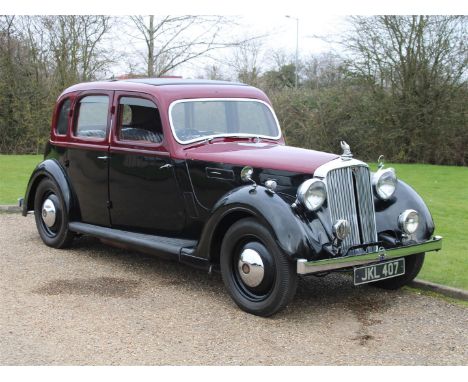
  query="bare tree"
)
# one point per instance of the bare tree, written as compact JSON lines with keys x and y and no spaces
{"x":212,"y":72}
{"x":171,"y":41}
{"x":246,"y":60}
{"x":322,"y":70}
{"x":409,"y":51}
{"x":76,"y":45}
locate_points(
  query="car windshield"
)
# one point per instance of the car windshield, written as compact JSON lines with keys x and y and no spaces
{"x":198,"y":119}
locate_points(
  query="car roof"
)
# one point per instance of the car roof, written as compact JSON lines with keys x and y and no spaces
{"x":171,"y":89}
{"x":181,"y":81}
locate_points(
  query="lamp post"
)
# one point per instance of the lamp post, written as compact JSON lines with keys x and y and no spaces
{"x":297,"y":45}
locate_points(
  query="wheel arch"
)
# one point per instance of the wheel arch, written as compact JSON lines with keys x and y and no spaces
{"x":230,"y":218}
{"x":50,"y":169}
{"x":286,"y":227}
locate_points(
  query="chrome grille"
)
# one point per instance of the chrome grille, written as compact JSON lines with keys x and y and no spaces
{"x":350,"y":197}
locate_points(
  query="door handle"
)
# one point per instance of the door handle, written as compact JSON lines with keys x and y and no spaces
{"x":105,"y":157}
{"x":167,"y":165}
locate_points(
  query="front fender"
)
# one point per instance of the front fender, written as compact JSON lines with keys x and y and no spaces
{"x":293,"y":233}
{"x":50,"y":168}
{"x":387,"y":212}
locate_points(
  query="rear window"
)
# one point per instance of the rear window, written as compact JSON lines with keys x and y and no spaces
{"x":92,"y":117}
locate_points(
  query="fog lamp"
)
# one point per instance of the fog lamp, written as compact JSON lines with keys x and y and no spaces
{"x":408,"y":221}
{"x":341,"y":229}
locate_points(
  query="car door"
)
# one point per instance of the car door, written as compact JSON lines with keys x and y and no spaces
{"x":87,"y":157}
{"x":144,"y":192}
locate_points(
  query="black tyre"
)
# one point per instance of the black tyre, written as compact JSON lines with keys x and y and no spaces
{"x":256,"y":273}
{"x":413,"y":265}
{"x":51,"y":216}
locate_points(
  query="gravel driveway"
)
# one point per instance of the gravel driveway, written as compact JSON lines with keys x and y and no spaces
{"x":98,"y":305}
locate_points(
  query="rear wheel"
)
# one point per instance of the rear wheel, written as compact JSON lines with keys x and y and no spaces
{"x":413,"y":265}
{"x":51,"y":216}
{"x":256,"y":273}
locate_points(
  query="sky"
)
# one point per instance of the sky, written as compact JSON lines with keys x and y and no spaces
{"x":278,"y":32}
{"x":316,"y":18}
{"x":283,"y":30}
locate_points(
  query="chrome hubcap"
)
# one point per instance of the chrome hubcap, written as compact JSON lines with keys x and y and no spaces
{"x":48,"y":213}
{"x":251,"y":268}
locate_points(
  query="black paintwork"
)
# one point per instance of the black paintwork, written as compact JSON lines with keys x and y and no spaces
{"x":158,"y":245}
{"x":53,"y":169}
{"x":145,"y":195}
{"x":88,"y":174}
{"x":387,"y":212}
{"x":187,"y":202}
{"x":292,"y":231}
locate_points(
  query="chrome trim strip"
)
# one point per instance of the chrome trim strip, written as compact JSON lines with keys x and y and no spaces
{"x":308,"y":267}
{"x":201,"y":139}
{"x":337,"y":163}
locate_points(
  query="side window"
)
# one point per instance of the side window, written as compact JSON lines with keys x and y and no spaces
{"x":62,"y":120}
{"x":92,"y":117}
{"x":139,"y":120}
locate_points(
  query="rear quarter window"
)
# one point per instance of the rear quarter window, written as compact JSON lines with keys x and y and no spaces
{"x":62,"y":120}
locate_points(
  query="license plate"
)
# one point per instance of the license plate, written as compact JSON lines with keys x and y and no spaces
{"x":380,"y":271}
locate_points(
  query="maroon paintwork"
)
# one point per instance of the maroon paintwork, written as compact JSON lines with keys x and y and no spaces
{"x":261,"y":155}
{"x":272,"y":154}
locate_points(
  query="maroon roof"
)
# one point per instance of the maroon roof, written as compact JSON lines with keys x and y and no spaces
{"x":171,"y":89}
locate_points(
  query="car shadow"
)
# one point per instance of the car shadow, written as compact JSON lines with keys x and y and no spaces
{"x":315,"y":295}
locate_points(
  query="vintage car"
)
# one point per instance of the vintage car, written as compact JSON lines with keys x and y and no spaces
{"x":198,"y":171}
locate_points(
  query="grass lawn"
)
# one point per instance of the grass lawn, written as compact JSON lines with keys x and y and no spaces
{"x":15,"y":171}
{"x":444,"y":189}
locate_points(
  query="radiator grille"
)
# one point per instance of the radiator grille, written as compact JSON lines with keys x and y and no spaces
{"x":350,"y":197}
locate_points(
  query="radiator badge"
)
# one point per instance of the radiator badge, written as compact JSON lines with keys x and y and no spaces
{"x":347,"y":155}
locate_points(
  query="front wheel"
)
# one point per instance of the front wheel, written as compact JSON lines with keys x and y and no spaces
{"x":413,"y":265}
{"x":256,"y":273}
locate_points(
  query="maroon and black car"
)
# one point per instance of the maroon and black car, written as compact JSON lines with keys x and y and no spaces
{"x":198,"y":171}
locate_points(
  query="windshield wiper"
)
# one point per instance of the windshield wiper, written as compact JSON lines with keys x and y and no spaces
{"x":254,"y":139}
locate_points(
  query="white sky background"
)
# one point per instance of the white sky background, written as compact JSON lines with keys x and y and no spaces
{"x":279,"y":32}
{"x":322,"y":17}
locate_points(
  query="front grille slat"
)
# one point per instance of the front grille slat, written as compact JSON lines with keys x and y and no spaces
{"x":350,"y":194}
{"x":366,"y":205}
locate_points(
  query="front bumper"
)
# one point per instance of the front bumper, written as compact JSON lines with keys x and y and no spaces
{"x":307,"y":267}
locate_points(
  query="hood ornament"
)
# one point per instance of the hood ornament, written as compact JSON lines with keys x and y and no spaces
{"x":347,"y":154}
{"x":380,"y":162}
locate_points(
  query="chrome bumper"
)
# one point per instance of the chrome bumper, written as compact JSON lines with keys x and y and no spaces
{"x":307,"y":267}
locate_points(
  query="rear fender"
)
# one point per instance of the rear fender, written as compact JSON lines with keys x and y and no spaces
{"x":50,"y":168}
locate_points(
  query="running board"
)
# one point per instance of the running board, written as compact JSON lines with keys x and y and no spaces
{"x":178,"y":249}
